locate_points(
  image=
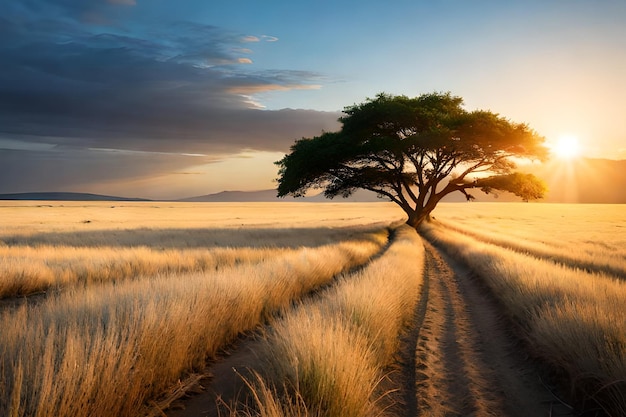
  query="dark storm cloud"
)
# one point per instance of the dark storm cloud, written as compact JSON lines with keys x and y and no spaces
{"x":176,"y":88}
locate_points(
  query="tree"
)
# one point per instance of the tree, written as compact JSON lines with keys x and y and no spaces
{"x":404,"y":148}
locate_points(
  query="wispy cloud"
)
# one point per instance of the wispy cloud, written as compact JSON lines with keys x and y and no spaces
{"x":264,"y":38}
{"x":123,"y":2}
{"x":264,"y":88}
{"x":189,"y":173}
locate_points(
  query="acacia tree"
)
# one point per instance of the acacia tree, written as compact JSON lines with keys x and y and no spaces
{"x":404,"y":148}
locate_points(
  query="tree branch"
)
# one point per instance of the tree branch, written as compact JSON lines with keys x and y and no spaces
{"x":386,"y":194}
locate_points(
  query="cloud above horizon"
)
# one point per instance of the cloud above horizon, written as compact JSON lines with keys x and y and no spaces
{"x":183,"y":87}
{"x":74,"y":76}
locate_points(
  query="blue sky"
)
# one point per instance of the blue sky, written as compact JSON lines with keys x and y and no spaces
{"x":167,"y":99}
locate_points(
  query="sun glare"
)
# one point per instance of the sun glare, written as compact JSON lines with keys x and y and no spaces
{"x":566,"y":147}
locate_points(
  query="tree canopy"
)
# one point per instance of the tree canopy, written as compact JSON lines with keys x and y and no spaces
{"x":405,"y":148}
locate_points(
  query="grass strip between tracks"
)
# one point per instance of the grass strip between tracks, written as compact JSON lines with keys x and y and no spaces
{"x":328,"y":356}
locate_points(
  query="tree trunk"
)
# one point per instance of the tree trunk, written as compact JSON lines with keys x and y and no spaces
{"x":417,"y":217}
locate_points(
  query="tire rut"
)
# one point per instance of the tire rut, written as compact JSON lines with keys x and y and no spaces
{"x":407,"y":357}
{"x":466,"y":362}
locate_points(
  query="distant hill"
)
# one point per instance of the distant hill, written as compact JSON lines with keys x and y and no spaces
{"x":583,"y":180}
{"x":59,"y":196}
{"x":235,"y":196}
{"x":361,"y":196}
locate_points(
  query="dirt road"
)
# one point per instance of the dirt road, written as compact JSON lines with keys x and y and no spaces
{"x":458,"y":358}
{"x":466,"y":362}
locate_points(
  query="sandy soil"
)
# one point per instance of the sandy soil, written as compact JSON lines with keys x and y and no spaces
{"x":222,"y":387}
{"x":457,"y":359}
{"x":466,"y":361}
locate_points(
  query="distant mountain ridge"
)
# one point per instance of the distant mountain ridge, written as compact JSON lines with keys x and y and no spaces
{"x":63,"y":196}
{"x":600,"y":181}
{"x":584,"y":180}
{"x":360,"y":196}
{"x":235,"y":196}
{"x":221,"y":197}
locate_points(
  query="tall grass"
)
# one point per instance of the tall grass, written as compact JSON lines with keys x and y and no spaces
{"x":26,"y":269}
{"x":158,"y":237}
{"x":573,"y":319}
{"x":586,"y":230}
{"x":327,"y":357}
{"x":51,"y":245}
{"x":106,"y":350}
{"x":588,"y":257}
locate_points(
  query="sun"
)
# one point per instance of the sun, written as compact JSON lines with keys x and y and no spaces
{"x":566,"y":147}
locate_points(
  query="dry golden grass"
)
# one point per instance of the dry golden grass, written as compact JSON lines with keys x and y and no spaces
{"x":111,"y":344}
{"x":31,"y":269}
{"x":327,"y":357}
{"x":26,"y":218}
{"x":106,"y":348}
{"x":583,"y":231}
{"x":46,"y":245}
{"x":588,"y":237}
{"x":573,"y":319}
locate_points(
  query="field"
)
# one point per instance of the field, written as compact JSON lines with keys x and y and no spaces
{"x":121,"y":309}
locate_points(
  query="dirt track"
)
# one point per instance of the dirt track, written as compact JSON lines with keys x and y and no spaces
{"x":457,"y":359}
{"x":466,"y":364}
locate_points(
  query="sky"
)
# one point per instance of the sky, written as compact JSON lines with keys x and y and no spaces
{"x":169,"y":99}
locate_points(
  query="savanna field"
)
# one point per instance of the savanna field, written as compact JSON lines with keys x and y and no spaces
{"x":119,"y":309}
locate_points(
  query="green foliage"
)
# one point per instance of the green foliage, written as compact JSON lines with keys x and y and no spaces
{"x":403,"y":148}
{"x":525,"y":186}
